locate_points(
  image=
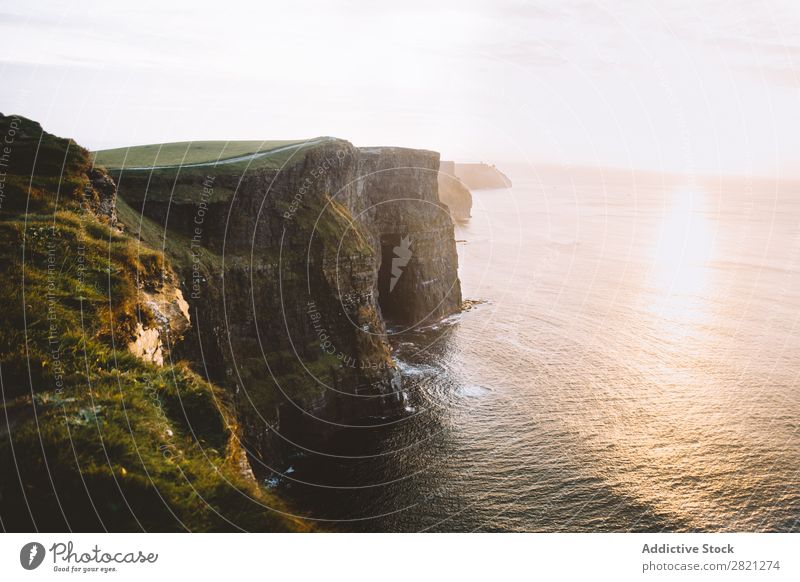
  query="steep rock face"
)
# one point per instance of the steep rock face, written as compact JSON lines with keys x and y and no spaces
{"x":288,"y":274}
{"x":477,"y":176}
{"x":454,"y":193}
{"x":396,"y":199}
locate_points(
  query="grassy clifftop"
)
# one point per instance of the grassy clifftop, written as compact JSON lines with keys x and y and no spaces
{"x":91,"y":437}
{"x":175,"y":171}
{"x":185,"y":153}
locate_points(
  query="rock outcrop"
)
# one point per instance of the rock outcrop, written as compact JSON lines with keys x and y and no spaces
{"x":167,"y":322}
{"x":291,"y":273}
{"x":478,"y":176}
{"x":454,"y":193}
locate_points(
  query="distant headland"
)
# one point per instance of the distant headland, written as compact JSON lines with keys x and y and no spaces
{"x":481,"y":175}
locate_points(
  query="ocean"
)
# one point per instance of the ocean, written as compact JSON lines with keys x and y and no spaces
{"x":631,"y":365}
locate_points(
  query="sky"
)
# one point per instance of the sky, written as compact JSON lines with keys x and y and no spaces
{"x":682,"y":86}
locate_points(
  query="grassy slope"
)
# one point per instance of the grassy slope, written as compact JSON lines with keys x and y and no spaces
{"x":92,"y":438}
{"x":184,"y":152}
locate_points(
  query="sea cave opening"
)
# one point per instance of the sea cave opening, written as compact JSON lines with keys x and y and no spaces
{"x":389,"y":291}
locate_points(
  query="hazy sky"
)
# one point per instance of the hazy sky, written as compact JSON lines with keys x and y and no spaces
{"x":687,"y":86}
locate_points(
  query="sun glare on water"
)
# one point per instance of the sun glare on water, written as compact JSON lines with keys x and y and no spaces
{"x":680,"y":269}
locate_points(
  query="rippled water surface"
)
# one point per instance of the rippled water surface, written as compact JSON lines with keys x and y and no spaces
{"x":634,"y":367}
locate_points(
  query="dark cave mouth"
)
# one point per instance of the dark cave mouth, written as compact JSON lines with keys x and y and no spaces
{"x":390,"y":293}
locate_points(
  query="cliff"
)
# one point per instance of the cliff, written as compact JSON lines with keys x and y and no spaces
{"x":478,"y":176}
{"x":102,"y":428}
{"x":454,"y":193}
{"x":172,"y":333}
{"x":292,"y":260}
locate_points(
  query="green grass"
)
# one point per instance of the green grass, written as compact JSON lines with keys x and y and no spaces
{"x":128,"y":445}
{"x":176,"y":246}
{"x":184,"y":152}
